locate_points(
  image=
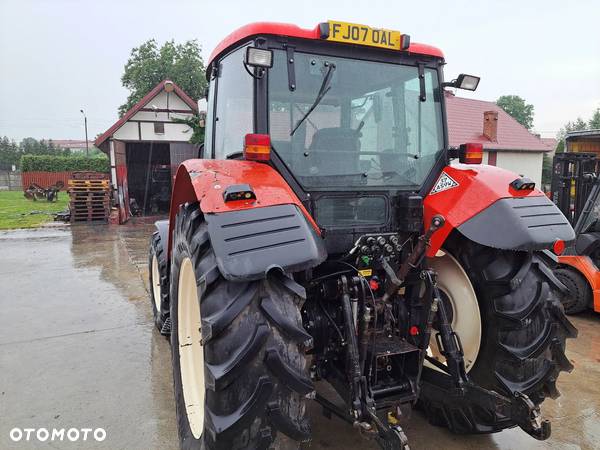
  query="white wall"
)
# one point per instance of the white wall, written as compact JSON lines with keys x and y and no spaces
{"x":129,"y":131}
{"x":140,"y":126}
{"x":528,"y":164}
{"x":163,"y":98}
{"x":485,"y":158}
{"x":173,"y":132}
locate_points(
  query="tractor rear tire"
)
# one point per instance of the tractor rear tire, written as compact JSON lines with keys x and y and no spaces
{"x":158,"y":273}
{"x":523,"y":334}
{"x":579,"y":297}
{"x":246,"y":386}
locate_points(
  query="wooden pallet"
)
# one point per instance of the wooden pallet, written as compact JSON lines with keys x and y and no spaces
{"x":90,"y":199}
{"x":96,"y":205}
{"x":91,"y":208}
{"x":86,"y":195}
{"x":89,"y":184}
{"x":87,"y":175}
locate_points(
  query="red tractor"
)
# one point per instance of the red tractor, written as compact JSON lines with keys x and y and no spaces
{"x":324,"y":235}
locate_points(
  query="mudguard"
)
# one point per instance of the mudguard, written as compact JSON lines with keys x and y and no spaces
{"x":248,"y":243}
{"x":252,"y":236}
{"x":480,"y":202}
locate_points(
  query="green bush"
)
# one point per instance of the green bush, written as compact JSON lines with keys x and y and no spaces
{"x":45,"y":163}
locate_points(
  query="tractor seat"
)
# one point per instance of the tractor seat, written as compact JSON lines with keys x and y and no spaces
{"x":330,"y":140}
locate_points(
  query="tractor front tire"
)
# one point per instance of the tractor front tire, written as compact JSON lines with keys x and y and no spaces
{"x":239,"y":370}
{"x":158,"y":272}
{"x":579,"y":297}
{"x":524,"y":329}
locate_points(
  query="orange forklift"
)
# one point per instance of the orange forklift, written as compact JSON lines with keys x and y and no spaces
{"x":576,"y":192}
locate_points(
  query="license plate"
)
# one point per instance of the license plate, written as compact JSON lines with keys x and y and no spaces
{"x":352,"y":33}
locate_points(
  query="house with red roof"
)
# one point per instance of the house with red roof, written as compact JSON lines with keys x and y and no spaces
{"x":146,"y":146}
{"x":74,"y":145}
{"x":506,"y":143}
{"x":550,"y":143}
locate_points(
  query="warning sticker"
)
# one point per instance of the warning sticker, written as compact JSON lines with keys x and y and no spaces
{"x":443,"y":183}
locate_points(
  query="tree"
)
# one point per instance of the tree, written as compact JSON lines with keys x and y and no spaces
{"x":10,"y":154}
{"x":546,"y":170}
{"x":31,"y":146}
{"x":594,"y":123}
{"x":516,"y":106}
{"x":576,"y":125}
{"x":149,"y":64}
{"x":196,"y":123}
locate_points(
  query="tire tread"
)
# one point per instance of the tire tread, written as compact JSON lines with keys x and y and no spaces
{"x":256,"y":376}
{"x":524,"y":333}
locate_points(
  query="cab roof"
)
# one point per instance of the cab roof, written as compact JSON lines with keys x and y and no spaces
{"x":294,"y":31}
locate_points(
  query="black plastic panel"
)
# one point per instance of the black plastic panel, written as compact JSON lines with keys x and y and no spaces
{"x":529,"y":223}
{"x":248,"y":243}
{"x":350,"y":212}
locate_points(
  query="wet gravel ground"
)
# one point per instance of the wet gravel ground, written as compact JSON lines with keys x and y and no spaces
{"x":78,"y":349}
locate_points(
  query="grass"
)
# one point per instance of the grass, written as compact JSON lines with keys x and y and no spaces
{"x":18,"y":212}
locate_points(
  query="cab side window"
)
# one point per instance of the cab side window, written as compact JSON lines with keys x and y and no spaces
{"x":233,"y":117}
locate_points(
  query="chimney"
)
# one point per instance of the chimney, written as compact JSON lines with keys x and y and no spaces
{"x":490,"y":125}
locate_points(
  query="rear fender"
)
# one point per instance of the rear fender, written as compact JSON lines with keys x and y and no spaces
{"x":249,"y":237}
{"x":479,"y":202}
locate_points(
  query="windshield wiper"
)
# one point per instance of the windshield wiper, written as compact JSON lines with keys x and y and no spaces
{"x":322,"y":91}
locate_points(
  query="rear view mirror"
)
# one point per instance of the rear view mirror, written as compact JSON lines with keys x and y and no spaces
{"x":202,"y":105}
{"x":202,"y":121}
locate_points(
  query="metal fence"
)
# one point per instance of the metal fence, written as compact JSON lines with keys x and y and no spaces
{"x":10,"y":181}
{"x":45,"y":179}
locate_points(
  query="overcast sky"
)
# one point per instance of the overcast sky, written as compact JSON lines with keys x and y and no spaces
{"x":58,"y":56}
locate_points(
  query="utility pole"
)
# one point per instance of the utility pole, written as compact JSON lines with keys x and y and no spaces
{"x":87,"y":149}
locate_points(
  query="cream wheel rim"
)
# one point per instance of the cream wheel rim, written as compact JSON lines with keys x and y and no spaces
{"x":466,"y":318}
{"x":156,"y":283}
{"x":191,"y":351}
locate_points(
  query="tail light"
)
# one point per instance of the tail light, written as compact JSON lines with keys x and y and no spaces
{"x":558,"y":247}
{"x":257,"y":147}
{"x":470,"y":153}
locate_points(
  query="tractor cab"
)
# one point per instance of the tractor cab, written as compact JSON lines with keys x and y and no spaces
{"x":351,"y":116}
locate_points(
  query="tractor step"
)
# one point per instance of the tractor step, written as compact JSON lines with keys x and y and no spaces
{"x":166,"y":328}
{"x":391,"y":346}
{"x":389,"y":353}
